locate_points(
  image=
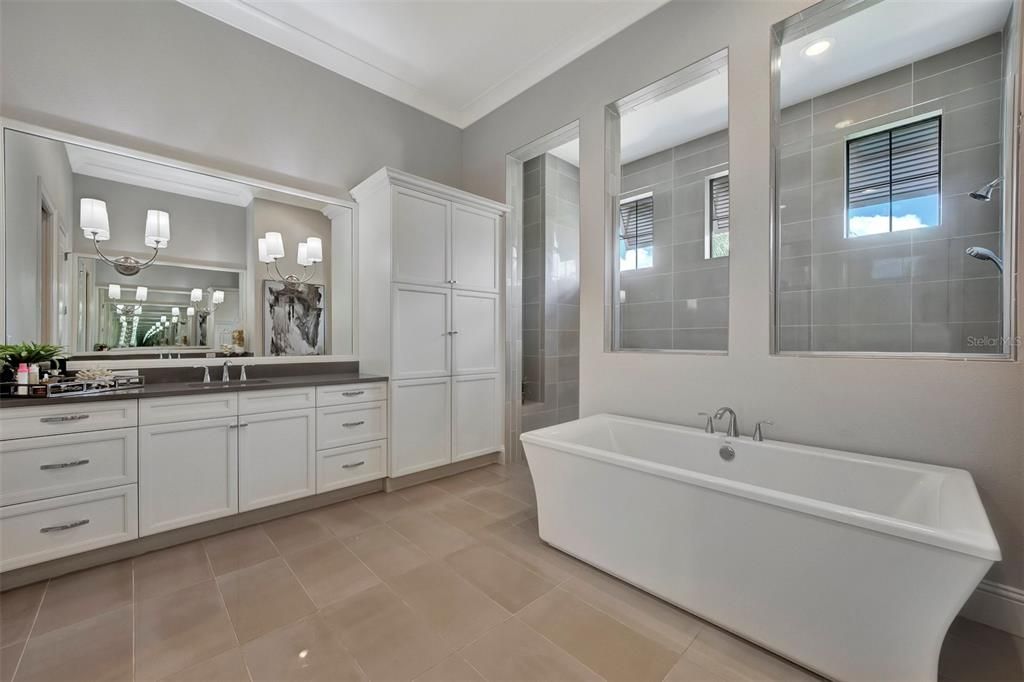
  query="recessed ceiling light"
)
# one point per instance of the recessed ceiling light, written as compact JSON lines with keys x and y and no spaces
{"x":845,"y":123}
{"x":817,"y":47}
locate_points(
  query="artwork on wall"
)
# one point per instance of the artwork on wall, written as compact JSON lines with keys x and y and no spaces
{"x":293,"y":319}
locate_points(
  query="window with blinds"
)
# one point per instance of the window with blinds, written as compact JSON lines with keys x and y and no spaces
{"x":636,"y":241}
{"x":893,"y":178}
{"x":716,"y":242}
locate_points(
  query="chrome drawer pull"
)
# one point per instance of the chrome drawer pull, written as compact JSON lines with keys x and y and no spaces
{"x":349,"y":425}
{"x":64,"y":526}
{"x":352,"y":394}
{"x":64,"y":418}
{"x":64,"y":465}
{"x":353,"y":465}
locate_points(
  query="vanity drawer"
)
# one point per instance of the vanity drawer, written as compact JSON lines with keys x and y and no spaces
{"x":276,"y":400}
{"x":349,"y":424}
{"x":50,"y":466}
{"x":49,"y":420}
{"x":341,"y":467}
{"x":187,"y":407}
{"x":39,"y":531}
{"x":347,"y":394}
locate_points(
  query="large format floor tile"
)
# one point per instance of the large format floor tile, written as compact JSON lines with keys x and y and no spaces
{"x":503,"y":579}
{"x":386,"y":552}
{"x":306,"y":650}
{"x":329,"y":571}
{"x":262,"y":598}
{"x":98,"y":648}
{"x":239,"y":549}
{"x":180,"y":629}
{"x":170,"y":569}
{"x":513,"y":652}
{"x":296,"y":532}
{"x":79,"y":596}
{"x":18,"y":610}
{"x":225,"y":667}
{"x":432,"y":535}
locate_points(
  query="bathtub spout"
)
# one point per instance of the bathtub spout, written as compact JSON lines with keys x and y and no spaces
{"x":733,"y":429}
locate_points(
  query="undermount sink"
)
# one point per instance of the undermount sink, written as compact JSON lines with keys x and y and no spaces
{"x":234,"y":383}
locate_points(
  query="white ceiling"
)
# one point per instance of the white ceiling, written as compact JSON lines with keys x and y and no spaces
{"x":455,"y":60}
{"x":882,"y":37}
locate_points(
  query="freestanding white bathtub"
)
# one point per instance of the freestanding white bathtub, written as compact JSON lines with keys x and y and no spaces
{"x":853,"y":566}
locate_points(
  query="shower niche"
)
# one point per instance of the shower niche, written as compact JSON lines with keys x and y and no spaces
{"x":893,"y":176}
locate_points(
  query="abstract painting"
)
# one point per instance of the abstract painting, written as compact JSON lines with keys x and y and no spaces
{"x":293,"y":318}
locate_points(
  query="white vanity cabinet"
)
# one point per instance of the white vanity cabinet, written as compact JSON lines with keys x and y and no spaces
{"x":188,"y":473}
{"x":434,"y":322}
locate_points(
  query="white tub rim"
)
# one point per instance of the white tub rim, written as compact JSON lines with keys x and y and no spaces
{"x":979,"y":545}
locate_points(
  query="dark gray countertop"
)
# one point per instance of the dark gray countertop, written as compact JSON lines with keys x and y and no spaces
{"x":160,"y":390}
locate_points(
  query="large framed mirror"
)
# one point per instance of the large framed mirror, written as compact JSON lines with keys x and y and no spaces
{"x":115,"y":255}
{"x":667,"y":213}
{"x":895,"y":179}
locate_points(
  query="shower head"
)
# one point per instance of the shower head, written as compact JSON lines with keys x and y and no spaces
{"x":985,"y":193}
{"x":981,"y":253}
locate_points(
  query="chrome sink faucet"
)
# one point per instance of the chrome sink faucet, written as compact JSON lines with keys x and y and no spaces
{"x":733,"y":429}
{"x":226,"y":376}
{"x":206,"y":372}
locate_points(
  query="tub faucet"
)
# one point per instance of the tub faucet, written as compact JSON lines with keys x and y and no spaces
{"x":733,"y":429}
{"x":709,"y":423}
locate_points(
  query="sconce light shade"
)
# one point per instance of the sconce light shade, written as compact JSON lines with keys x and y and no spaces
{"x":218,"y":297}
{"x":302,"y":257}
{"x":114,"y":292}
{"x":275,"y":245}
{"x":141,"y":293}
{"x":158,"y":229}
{"x":175,"y":310}
{"x":93,"y":219}
{"x":163,"y":318}
{"x":262,"y":247}
{"x":190,"y":311}
{"x":315,"y":250}
{"x":196,"y":296}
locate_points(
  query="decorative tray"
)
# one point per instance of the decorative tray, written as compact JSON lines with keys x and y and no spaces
{"x":71,"y":387}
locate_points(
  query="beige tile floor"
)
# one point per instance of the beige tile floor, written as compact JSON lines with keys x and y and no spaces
{"x":445,"y":581}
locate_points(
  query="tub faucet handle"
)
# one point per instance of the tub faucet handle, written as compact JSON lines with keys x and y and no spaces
{"x":759,"y":432}
{"x":709,"y":424}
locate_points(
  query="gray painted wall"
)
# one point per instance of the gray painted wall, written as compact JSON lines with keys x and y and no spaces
{"x":682,"y":301}
{"x":962,"y":414}
{"x":163,"y":78}
{"x":914,"y":290}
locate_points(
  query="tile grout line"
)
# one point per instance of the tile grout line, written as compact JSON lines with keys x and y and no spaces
{"x":224,"y":605}
{"x":133,"y":618}
{"x":31,"y":628}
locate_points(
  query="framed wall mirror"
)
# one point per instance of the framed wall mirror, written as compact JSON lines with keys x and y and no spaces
{"x":895,"y":178}
{"x":667,"y":213}
{"x":121,"y":256}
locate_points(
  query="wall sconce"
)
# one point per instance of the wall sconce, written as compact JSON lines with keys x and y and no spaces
{"x":95,"y":222}
{"x":196,"y":296}
{"x":114,"y":292}
{"x":141,"y":293}
{"x":308,"y":254}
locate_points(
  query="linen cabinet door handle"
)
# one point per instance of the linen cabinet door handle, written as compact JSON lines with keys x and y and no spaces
{"x":64,"y":526}
{"x":64,"y":418}
{"x":352,"y":394}
{"x":63,"y":465}
{"x":353,"y":465}
{"x":349,"y":425}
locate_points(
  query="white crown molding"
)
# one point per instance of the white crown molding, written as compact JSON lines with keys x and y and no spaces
{"x":247,"y":17}
{"x":998,"y":606}
{"x":386,"y":177}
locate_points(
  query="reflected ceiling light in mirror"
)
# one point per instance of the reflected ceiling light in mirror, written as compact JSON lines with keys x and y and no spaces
{"x":845,"y":123}
{"x":114,"y":292}
{"x":190,"y":311}
{"x":141,"y":293}
{"x":818,"y":47}
{"x":175,"y":310}
{"x":95,"y":223}
{"x":270,"y":249}
{"x":217,"y":297}
{"x":196,"y":295}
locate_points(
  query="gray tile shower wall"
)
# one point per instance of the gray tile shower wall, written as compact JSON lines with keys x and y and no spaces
{"x":551,"y":311}
{"x":911,"y":291}
{"x":682,"y":301}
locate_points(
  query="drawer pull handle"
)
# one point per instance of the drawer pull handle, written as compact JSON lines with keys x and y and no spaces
{"x":353,"y":465}
{"x":64,"y":526}
{"x":352,"y":394}
{"x":64,"y":418}
{"x":237,"y":426}
{"x":349,"y":425}
{"x":64,"y":465}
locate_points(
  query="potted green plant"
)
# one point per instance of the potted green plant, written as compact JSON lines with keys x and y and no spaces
{"x":30,"y":353}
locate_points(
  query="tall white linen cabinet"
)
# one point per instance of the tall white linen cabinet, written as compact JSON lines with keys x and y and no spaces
{"x":430,"y":316}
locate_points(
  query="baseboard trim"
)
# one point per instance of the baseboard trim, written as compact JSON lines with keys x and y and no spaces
{"x":998,"y":606}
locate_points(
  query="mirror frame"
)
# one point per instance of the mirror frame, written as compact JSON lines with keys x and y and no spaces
{"x":827,"y":12}
{"x":335,"y":212}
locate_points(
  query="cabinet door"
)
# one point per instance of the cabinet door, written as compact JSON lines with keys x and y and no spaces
{"x":475,"y":320}
{"x":276,"y":457}
{"x":421,"y":322}
{"x":476,"y":416}
{"x":420,"y":238}
{"x":188,"y":473}
{"x":475,"y":238}
{"x":420,"y":425}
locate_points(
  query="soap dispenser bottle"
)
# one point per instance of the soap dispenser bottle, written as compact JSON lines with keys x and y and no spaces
{"x":23,"y":379}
